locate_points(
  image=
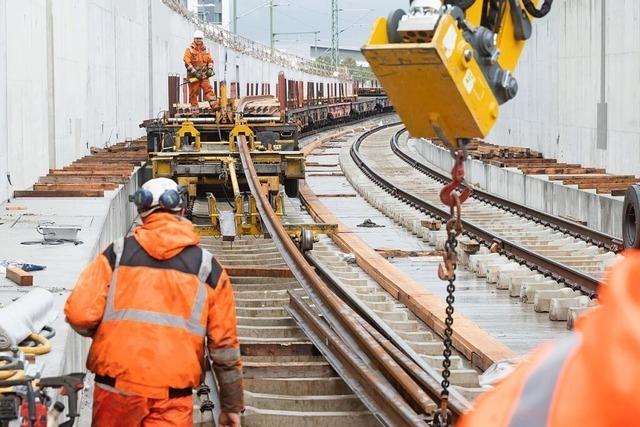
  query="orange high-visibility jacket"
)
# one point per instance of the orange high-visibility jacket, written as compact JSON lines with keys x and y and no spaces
{"x":591,"y":378}
{"x":152,"y":299}
{"x":197,"y":59}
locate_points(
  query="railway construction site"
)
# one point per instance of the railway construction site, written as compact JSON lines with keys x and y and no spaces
{"x":307,"y":247}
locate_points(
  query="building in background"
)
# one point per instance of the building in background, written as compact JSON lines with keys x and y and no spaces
{"x":316,"y":52}
{"x":208,"y":10}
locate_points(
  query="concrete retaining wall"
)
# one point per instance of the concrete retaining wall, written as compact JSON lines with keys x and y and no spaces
{"x":560,"y":78}
{"x":602,"y":212}
{"x":76,"y":73}
{"x":115,"y":223}
{"x":4,"y":150}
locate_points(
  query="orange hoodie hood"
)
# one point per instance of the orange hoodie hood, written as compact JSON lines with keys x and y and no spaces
{"x":164,"y":235}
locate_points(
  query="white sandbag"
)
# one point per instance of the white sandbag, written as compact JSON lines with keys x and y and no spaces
{"x":29,"y":314}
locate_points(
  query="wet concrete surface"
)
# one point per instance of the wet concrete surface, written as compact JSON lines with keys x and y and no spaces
{"x":507,"y":319}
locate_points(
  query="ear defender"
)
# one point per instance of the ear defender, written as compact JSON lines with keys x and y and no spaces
{"x":143,"y":199}
{"x":170,"y":200}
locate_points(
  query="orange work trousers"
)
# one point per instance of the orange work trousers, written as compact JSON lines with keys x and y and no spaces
{"x":194,"y":91}
{"x":113,"y":409}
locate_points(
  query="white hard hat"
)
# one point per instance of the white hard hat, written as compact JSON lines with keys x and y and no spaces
{"x":158,"y":193}
{"x":198,"y":34}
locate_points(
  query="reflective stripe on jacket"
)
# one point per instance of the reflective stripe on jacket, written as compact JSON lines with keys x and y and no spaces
{"x":153,"y":298}
{"x":197,"y":60}
{"x":589,"y":378}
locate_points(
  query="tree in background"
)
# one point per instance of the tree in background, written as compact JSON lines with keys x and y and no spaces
{"x":360,"y":73}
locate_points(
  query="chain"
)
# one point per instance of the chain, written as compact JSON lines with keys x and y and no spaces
{"x":446,"y":271}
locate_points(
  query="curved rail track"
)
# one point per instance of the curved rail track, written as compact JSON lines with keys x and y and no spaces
{"x":487,"y":217}
{"x":314,"y":350}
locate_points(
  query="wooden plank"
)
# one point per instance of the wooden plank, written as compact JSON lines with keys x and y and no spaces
{"x":603,"y":185}
{"x":67,"y":193}
{"x":76,"y":187}
{"x":72,"y":179}
{"x":576,"y":179}
{"x":553,"y":171}
{"x":609,"y":189}
{"x":562,"y":177}
{"x":86,"y":173}
{"x":98,"y":166}
{"x":258,"y":271}
{"x":529,"y":160}
{"x":135,"y":162}
{"x":19,"y":276}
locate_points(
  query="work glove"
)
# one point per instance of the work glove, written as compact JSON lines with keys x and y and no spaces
{"x":210,"y":73}
{"x":199,"y":76}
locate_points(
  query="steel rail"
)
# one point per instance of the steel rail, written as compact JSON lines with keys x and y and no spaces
{"x":347,"y":123}
{"x":573,"y":229}
{"x":546,"y":266}
{"x":379,"y":392}
{"x":402,"y":352}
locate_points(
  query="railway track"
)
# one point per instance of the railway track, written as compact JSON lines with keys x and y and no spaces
{"x":538,"y":260}
{"x":322,"y":343}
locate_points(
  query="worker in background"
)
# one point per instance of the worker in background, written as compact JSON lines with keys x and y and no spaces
{"x":199,"y":63}
{"x":149,"y":301}
{"x":590,"y":378}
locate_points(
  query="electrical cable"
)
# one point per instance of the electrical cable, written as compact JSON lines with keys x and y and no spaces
{"x":43,"y":345}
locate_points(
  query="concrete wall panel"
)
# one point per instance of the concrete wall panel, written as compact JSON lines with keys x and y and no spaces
{"x":82,"y":73}
{"x":4,"y":153}
{"x":559,"y":75}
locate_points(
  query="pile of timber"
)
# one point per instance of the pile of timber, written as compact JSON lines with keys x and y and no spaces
{"x":481,"y":150}
{"x":616,"y":185}
{"x":105,"y":169}
{"x":531,"y":162}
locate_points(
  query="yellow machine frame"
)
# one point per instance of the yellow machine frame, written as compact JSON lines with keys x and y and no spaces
{"x":247,"y":217}
{"x":438,"y":88}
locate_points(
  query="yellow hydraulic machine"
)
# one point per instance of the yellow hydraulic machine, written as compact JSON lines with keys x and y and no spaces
{"x":448,"y":65}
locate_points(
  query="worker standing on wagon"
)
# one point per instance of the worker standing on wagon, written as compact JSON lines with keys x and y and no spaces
{"x":590,"y":378}
{"x":149,"y":301}
{"x":199,"y":63}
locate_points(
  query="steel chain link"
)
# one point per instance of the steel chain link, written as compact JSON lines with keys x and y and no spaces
{"x":442,"y":417}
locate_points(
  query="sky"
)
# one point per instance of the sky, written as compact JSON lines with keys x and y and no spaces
{"x":355,"y":21}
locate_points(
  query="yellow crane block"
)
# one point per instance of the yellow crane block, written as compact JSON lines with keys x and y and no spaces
{"x":437,"y":88}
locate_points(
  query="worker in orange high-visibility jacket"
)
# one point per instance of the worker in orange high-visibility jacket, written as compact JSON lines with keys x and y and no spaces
{"x":199,"y":63}
{"x":590,"y":378}
{"x":150,"y":302}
